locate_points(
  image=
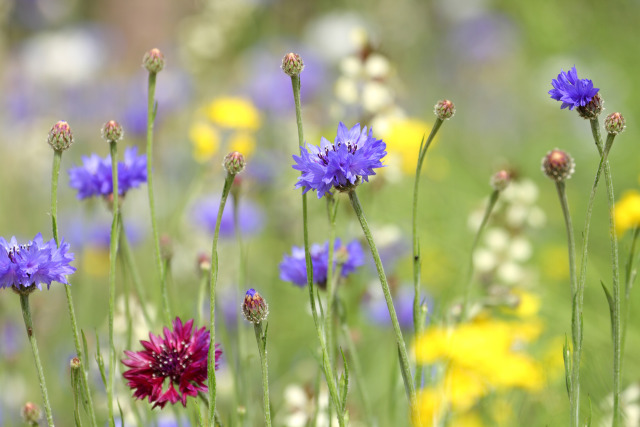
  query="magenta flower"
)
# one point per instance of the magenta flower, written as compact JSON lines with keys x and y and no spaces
{"x":180,"y":357}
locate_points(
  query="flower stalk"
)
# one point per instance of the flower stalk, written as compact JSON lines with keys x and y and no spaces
{"x":212,"y":298}
{"x":261,"y":340}
{"x":402,"y":349}
{"x":28,"y":323}
{"x":113,"y":251}
{"x":326,"y":361}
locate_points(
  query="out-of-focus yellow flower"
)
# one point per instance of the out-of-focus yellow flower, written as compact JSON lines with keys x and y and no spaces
{"x":95,"y":261}
{"x":528,"y":304}
{"x":627,"y":211}
{"x":468,"y":419}
{"x":403,"y":139}
{"x":429,"y":408}
{"x":242,"y":142}
{"x":234,"y":113}
{"x":205,"y":140}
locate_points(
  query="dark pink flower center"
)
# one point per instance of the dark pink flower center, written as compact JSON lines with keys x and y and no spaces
{"x":171,"y":362}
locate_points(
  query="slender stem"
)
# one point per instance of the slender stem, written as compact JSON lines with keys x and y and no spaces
{"x":332,"y":205}
{"x":576,"y":320}
{"x":326,"y":361}
{"x":576,"y":323}
{"x":129,"y":261}
{"x":240,"y":331}
{"x":617,"y":330}
{"x":261,"y":340}
{"x":212,"y":300}
{"x":113,"y":251}
{"x":151,"y":116}
{"x":402,"y":349}
{"x":418,"y":322}
{"x":28,"y":323}
{"x":57,"y":157}
{"x":487,"y":213}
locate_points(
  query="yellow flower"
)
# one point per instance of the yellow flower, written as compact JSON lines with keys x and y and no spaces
{"x":627,"y":211}
{"x":528,"y":304}
{"x":242,"y":142}
{"x":234,"y":113}
{"x":403,"y":140}
{"x":205,"y":140}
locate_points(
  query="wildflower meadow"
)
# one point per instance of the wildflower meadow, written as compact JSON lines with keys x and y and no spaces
{"x":331,"y":213}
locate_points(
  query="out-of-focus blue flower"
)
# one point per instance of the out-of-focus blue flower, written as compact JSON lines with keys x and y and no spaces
{"x":34,"y":263}
{"x":353,"y":156}
{"x":376,"y":308}
{"x":572,"y":91}
{"x":250,"y":216}
{"x":10,"y":341}
{"x":95,"y":231}
{"x":293,"y":267}
{"x":484,"y":38}
{"x":94,"y":177}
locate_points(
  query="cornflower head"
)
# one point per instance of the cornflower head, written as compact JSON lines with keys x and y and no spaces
{"x":342,"y":164}
{"x":180,"y":356}
{"x":250,"y":216}
{"x":293,"y":267}
{"x":254,"y":308}
{"x":94,"y":177}
{"x":574,"y":92}
{"x":28,"y":266}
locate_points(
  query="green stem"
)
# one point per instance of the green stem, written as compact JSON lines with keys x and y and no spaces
{"x":240,"y":331}
{"x":617,"y":330}
{"x":418,"y":321}
{"x":151,"y":117}
{"x":113,"y":251}
{"x":326,"y":361}
{"x":332,"y":208}
{"x":261,"y":340}
{"x":487,"y":213}
{"x":212,"y":300}
{"x":576,"y":309}
{"x":57,"y":157}
{"x":28,"y":323}
{"x":402,"y":349}
{"x":576,"y":321}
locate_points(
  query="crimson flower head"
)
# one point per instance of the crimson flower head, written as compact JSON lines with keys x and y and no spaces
{"x":179,"y":357}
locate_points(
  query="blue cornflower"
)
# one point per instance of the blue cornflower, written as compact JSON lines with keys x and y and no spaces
{"x":572,"y":91}
{"x":94,"y":177}
{"x":34,"y":263}
{"x":293,"y":268}
{"x":342,"y":165}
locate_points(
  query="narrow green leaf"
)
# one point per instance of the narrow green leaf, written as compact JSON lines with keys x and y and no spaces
{"x":100,"y":362}
{"x":611,"y":306}
{"x":567,"y":364}
{"x":344,"y":380}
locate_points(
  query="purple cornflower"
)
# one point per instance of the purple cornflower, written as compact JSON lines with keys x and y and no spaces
{"x":351,"y":158}
{"x":293,"y":267}
{"x":34,"y":263}
{"x":572,"y":91}
{"x":94,"y":177}
{"x":250,"y":216}
{"x":181,"y":356}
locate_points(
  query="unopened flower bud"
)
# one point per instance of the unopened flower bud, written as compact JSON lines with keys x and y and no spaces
{"x":292,"y":64}
{"x":500,"y":180}
{"x":593,"y":109}
{"x":444,"y":109}
{"x":153,"y":61}
{"x":234,"y":163}
{"x":254,"y":307}
{"x":75,"y":363}
{"x":204,"y":262}
{"x":112,"y":131}
{"x":558,"y":165}
{"x":31,"y":413}
{"x":60,"y":136}
{"x":614,"y":123}
{"x":166,"y":247}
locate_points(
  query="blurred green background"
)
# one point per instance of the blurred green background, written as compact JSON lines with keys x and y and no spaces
{"x":80,"y":61}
